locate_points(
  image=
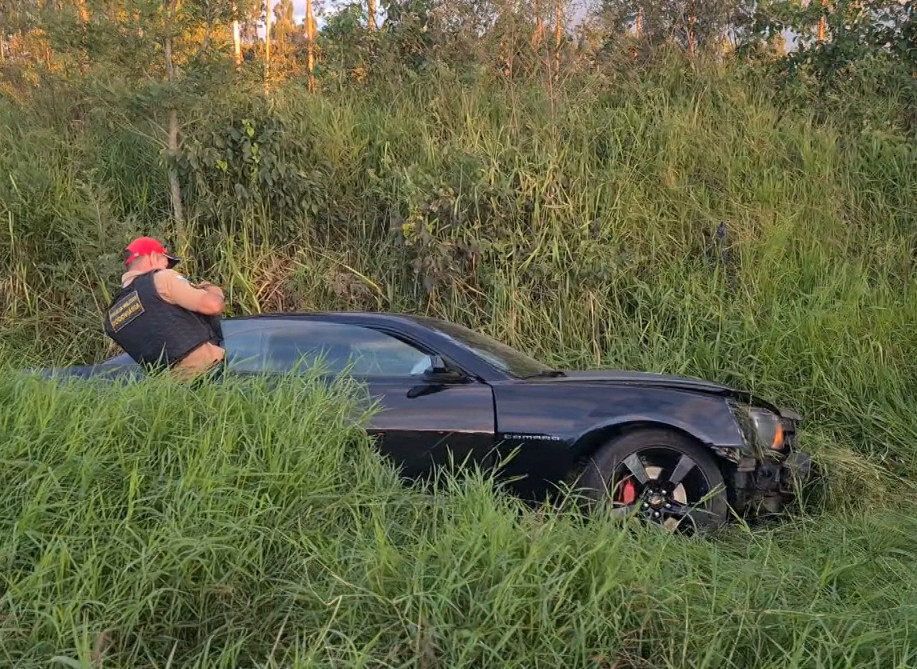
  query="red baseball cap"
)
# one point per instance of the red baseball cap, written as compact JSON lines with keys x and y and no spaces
{"x":143,"y":246}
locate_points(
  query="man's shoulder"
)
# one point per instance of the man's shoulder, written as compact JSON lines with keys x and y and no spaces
{"x":177,"y":289}
{"x":168,"y":277}
{"x":170,"y":273}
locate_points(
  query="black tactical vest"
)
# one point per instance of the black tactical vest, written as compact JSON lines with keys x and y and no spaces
{"x":152,"y":331}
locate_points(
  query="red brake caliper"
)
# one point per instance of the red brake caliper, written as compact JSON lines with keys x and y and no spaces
{"x":628,"y":492}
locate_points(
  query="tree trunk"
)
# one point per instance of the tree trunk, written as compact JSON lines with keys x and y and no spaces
{"x":691,"y":35}
{"x":638,"y":28}
{"x":237,"y":41}
{"x":822,"y":21}
{"x":84,"y":29}
{"x":267,"y":45}
{"x":372,"y":15}
{"x":538,"y":35}
{"x":310,"y":42}
{"x":174,"y":186}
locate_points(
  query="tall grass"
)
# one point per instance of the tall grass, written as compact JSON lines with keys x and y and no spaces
{"x":577,"y":222}
{"x":156,"y":525}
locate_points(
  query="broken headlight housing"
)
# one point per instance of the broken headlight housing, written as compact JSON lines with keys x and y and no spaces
{"x":762,"y":427}
{"x":768,"y":429}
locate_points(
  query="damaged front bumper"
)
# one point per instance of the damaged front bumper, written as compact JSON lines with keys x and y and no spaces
{"x":768,"y":477}
{"x":769,"y":483}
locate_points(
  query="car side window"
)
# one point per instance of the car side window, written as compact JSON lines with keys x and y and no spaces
{"x":335,"y":348}
{"x":243,"y":340}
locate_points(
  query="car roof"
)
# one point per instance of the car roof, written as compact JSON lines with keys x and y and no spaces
{"x":374,"y":315}
{"x":391,"y":317}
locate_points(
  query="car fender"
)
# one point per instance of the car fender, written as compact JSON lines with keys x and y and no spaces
{"x":599,"y":434}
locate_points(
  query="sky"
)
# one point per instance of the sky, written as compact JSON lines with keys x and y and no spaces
{"x":299,"y":9}
{"x":580,"y":9}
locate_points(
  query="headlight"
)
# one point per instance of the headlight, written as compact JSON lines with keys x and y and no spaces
{"x":769,"y":428}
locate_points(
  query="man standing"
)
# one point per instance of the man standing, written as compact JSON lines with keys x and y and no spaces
{"x":161,"y":319}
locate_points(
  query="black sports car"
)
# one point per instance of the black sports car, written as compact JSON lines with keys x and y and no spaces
{"x":665,"y":447}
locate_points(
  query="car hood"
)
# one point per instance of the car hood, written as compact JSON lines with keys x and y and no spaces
{"x":642,"y":379}
{"x":654,"y":380}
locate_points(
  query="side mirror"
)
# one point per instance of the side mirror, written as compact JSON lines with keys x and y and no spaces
{"x":437,"y":378}
{"x":437,"y":366}
{"x":438,"y":372}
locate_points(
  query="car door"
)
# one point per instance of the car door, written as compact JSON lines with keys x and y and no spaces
{"x":418,"y":421}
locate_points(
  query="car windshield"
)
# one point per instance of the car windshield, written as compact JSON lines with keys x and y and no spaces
{"x":495,"y":352}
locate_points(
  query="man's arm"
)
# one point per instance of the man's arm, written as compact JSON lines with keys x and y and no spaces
{"x":206,"y":298}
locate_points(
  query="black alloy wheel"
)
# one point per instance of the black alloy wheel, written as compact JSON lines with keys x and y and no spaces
{"x":659,"y":476}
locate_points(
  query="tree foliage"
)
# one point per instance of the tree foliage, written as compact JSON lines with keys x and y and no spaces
{"x":152,"y":87}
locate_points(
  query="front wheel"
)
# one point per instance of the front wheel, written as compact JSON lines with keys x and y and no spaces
{"x":658,"y":475}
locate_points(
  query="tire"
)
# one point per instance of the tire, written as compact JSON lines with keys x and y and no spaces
{"x":697,"y":500}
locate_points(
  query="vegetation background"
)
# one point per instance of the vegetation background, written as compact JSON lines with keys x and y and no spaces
{"x":724,"y":189}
